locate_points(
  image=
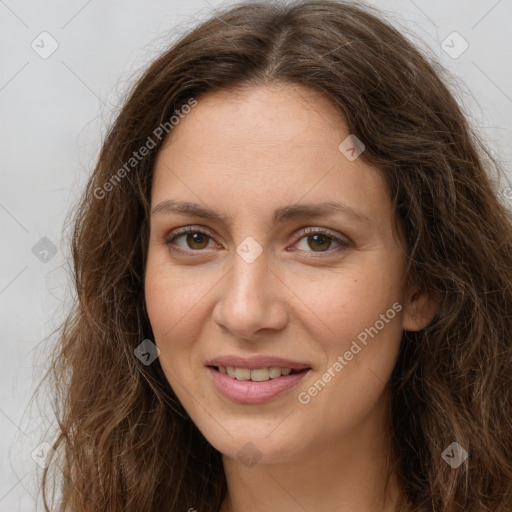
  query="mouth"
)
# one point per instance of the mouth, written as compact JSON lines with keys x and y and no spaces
{"x":257,"y":374}
{"x":255,"y":385}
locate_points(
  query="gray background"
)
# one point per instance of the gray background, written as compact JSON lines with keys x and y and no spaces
{"x":54,"y":112}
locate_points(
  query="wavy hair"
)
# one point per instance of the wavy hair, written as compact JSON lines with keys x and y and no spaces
{"x":124,"y":442}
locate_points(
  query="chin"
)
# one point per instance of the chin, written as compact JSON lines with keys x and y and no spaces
{"x":252,"y":447}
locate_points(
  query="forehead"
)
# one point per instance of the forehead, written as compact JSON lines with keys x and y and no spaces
{"x":262,"y":145}
{"x":236,"y":121}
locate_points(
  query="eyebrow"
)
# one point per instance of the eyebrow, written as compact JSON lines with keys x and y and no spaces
{"x":281,"y":215}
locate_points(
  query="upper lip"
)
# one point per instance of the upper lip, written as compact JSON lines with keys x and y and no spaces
{"x":253,"y":362}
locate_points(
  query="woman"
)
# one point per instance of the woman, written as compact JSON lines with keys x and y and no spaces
{"x":294,"y":280}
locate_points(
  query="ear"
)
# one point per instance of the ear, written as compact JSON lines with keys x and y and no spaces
{"x":419,"y":309}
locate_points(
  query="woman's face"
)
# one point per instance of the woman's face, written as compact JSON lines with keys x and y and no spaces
{"x":249,"y":282}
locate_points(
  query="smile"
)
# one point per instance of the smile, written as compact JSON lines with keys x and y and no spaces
{"x":254,"y":386}
{"x":256,"y":374}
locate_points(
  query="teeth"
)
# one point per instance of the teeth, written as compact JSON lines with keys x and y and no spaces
{"x":243,"y":374}
{"x":260,"y":374}
{"x":274,"y":372}
{"x":257,"y":375}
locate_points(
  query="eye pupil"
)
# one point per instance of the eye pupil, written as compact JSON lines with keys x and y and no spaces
{"x":192,"y":239}
{"x":325,"y":238}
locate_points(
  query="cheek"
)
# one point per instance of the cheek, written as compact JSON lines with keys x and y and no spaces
{"x":166,"y":304}
{"x":359,"y":354}
{"x":175,"y":304}
{"x":172,"y":296}
{"x":344,"y":302}
{"x":357,"y":315}
{"x":165,"y":308}
{"x":160,"y":301}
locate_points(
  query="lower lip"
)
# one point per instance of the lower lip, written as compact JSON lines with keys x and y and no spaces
{"x":251,"y":392}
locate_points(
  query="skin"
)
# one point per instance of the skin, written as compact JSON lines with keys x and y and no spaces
{"x":244,"y":153}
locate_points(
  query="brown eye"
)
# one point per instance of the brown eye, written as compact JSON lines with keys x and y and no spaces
{"x":195,"y":240}
{"x":319,"y":240}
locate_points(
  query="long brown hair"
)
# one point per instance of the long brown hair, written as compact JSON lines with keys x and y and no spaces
{"x":124,"y":441}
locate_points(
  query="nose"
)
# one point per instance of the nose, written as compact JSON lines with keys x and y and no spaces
{"x":251,"y":299}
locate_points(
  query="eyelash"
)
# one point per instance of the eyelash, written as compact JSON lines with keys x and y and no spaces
{"x":344,"y":244}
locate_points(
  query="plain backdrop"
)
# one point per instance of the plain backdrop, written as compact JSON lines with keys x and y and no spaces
{"x":63,"y":68}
